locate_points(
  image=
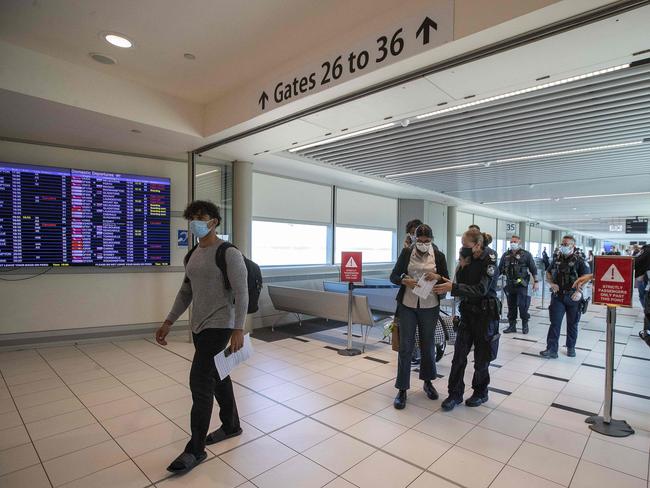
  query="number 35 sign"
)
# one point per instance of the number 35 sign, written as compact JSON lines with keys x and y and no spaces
{"x":431,"y":29}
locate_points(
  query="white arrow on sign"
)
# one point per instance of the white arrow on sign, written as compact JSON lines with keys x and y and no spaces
{"x":613,"y":275}
{"x":351,"y":263}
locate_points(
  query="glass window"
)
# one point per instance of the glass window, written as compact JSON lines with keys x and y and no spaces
{"x":287,"y":244}
{"x":501,"y":246}
{"x":459,"y":244}
{"x":376,"y":245}
{"x":535,"y":249}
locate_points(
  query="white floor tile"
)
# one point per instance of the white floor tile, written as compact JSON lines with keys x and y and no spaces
{"x":339,"y":453}
{"x":124,"y":475}
{"x":340,"y":390}
{"x":13,"y":437}
{"x":71,"y":441}
{"x":303,"y":434}
{"x":297,"y":471}
{"x":556,"y":466}
{"x":383,"y":470}
{"x":150,"y":438}
{"x":489,"y":443}
{"x":444,"y":427}
{"x":455,"y":465}
{"x":272,"y":418}
{"x":418,"y":448}
{"x":428,"y":480}
{"x":213,"y":473}
{"x":32,"y":477}
{"x":523,"y":408}
{"x":615,"y":456}
{"x":134,"y":421}
{"x":376,"y":431}
{"x":370,"y":402}
{"x":17,"y":458}
{"x":341,"y":416}
{"x":408,"y":417}
{"x":511,"y":477}
{"x":258,"y":456}
{"x":310,"y":403}
{"x":154,"y":463}
{"x":558,"y":439}
{"x":590,"y":475}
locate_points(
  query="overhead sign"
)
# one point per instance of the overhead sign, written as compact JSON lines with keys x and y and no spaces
{"x":182,"y":238}
{"x":613,"y":280}
{"x":636,"y":226}
{"x":351,"y":264}
{"x":412,"y":36}
{"x":511,"y":228}
{"x":616,"y":227}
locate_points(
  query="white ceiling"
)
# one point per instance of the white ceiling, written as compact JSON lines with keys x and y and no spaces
{"x":233,"y":41}
{"x":574,"y":119}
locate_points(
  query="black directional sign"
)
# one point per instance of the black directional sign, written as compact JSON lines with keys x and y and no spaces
{"x":425,"y":29}
{"x":636,"y":226}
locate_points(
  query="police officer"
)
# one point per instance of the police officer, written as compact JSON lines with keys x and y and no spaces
{"x":565,"y":269}
{"x":518,"y":266}
{"x":475,"y":284}
{"x":642,"y":269}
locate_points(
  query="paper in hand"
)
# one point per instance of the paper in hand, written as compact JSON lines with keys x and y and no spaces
{"x":226,"y":361}
{"x":424,"y":287}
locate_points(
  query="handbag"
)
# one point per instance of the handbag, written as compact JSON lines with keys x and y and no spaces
{"x":394,"y":343}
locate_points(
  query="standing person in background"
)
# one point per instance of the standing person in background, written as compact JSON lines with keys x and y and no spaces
{"x":564,"y":271}
{"x":518,"y":266}
{"x":475,"y":284}
{"x":545,"y":259}
{"x":418,"y":313}
{"x":590,"y":261}
{"x":218,"y":316}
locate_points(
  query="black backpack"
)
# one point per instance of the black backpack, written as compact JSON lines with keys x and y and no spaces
{"x":254,"y":275}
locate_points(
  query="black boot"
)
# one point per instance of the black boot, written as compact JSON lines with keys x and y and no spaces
{"x":450,"y":403}
{"x":524,"y":328}
{"x":430,"y":390}
{"x":400,"y":400}
{"x":476,"y":400}
{"x":512,"y":329}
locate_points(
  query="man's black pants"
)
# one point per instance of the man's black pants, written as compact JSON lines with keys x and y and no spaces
{"x":204,"y":384}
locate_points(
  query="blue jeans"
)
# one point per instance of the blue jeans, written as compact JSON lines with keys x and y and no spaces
{"x":640,"y":286}
{"x":562,"y":304}
{"x":424,"y":319}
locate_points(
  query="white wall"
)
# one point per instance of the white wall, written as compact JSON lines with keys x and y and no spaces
{"x":63,"y":299}
{"x":435,"y":215}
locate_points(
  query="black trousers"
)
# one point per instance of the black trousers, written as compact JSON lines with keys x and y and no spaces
{"x":410,"y":321}
{"x":518,"y":298}
{"x":206,"y":384}
{"x":475,"y":331}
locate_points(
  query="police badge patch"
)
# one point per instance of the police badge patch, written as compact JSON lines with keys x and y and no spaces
{"x":491,"y":269}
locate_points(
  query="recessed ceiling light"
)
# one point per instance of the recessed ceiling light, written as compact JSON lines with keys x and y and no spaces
{"x":117,"y":40}
{"x":518,"y":201}
{"x":189,"y":56}
{"x":342,"y":137}
{"x":102,"y":58}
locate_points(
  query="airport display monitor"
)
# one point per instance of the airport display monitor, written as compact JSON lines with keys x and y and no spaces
{"x":53,"y":216}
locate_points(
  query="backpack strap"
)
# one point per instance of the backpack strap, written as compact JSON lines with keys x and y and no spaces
{"x":220,"y":257}
{"x":186,"y":260}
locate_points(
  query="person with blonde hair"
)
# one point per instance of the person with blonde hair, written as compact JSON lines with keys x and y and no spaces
{"x":475,"y":284}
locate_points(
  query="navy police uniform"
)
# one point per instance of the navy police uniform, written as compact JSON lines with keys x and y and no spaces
{"x":565,"y":270}
{"x":641,"y":268}
{"x":517,"y":266}
{"x":475,"y":284}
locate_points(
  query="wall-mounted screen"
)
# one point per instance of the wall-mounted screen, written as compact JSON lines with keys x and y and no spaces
{"x":67,"y":217}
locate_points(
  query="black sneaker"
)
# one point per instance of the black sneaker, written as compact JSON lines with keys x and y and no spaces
{"x":548,"y":354}
{"x":524,"y":328}
{"x":510,"y":330}
{"x":430,"y":390}
{"x":571,"y":352}
{"x":450,"y":403}
{"x":476,"y":400}
{"x":400,"y":400}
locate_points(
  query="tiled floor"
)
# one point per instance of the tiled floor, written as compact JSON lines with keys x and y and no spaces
{"x":116,"y":413}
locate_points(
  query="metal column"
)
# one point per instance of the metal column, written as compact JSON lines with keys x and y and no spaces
{"x":191,"y":169}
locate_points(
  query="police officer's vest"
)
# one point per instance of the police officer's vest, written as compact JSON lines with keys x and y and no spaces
{"x":516,"y":268}
{"x":565,"y":271}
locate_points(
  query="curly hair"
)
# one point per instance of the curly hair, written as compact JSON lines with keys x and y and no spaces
{"x":201,"y":208}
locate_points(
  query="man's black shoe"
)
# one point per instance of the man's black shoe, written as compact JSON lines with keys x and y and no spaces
{"x":645,"y":336}
{"x":510,"y":330}
{"x":415,"y":361}
{"x":571,"y":352}
{"x":450,"y":403}
{"x":548,"y":354}
{"x":476,"y":400}
{"x":400,"y":400}
{"x":430,"y":390}
{"x":524,"y":328}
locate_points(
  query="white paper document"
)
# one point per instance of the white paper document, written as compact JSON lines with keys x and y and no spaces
{"x":424,"y":288}
{"x":226,"y":361}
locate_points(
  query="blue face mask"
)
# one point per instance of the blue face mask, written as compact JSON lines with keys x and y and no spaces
{"x":199,"y":228}
{"x":566,"y":250}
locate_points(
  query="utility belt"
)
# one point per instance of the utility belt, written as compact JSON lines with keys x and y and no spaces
{"x":514,"y":282}
{"x":489,"y":307}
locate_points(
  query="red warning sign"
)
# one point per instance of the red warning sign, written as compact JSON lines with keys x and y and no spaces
{"x":351,"y":267}
{"x":613,"y":280}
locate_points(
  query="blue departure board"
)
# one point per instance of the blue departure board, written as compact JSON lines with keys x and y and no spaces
{"x":67,"y":217}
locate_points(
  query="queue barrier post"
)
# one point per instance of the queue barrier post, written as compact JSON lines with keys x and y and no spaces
{"x":350,"y":351}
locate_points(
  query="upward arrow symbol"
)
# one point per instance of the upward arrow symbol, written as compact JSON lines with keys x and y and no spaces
{"x":425,"y":29}
{"x":263,"y":99}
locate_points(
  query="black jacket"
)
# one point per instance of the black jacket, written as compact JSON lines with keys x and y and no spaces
{"x":402,"y":264}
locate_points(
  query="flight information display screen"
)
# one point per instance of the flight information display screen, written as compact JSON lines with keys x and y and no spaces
{"x":67,"y":217}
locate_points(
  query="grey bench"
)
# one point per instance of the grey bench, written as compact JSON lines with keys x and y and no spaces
{"x":324,"y":304}
{"x":379,"y":299}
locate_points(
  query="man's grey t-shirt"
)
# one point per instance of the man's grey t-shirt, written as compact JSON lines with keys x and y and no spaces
{"x":213,"y":307}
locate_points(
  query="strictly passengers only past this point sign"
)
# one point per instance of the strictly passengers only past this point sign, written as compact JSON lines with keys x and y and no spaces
{"x":614,"y":280}
{"x":400,"y":41}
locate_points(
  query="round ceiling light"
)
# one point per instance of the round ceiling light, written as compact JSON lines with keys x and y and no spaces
{"x":117,"y":40}
{"x":102,"y":58}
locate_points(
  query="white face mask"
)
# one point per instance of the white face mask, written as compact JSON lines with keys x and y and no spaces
{"x":514,"y":246}
{"x":423,"y":246}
